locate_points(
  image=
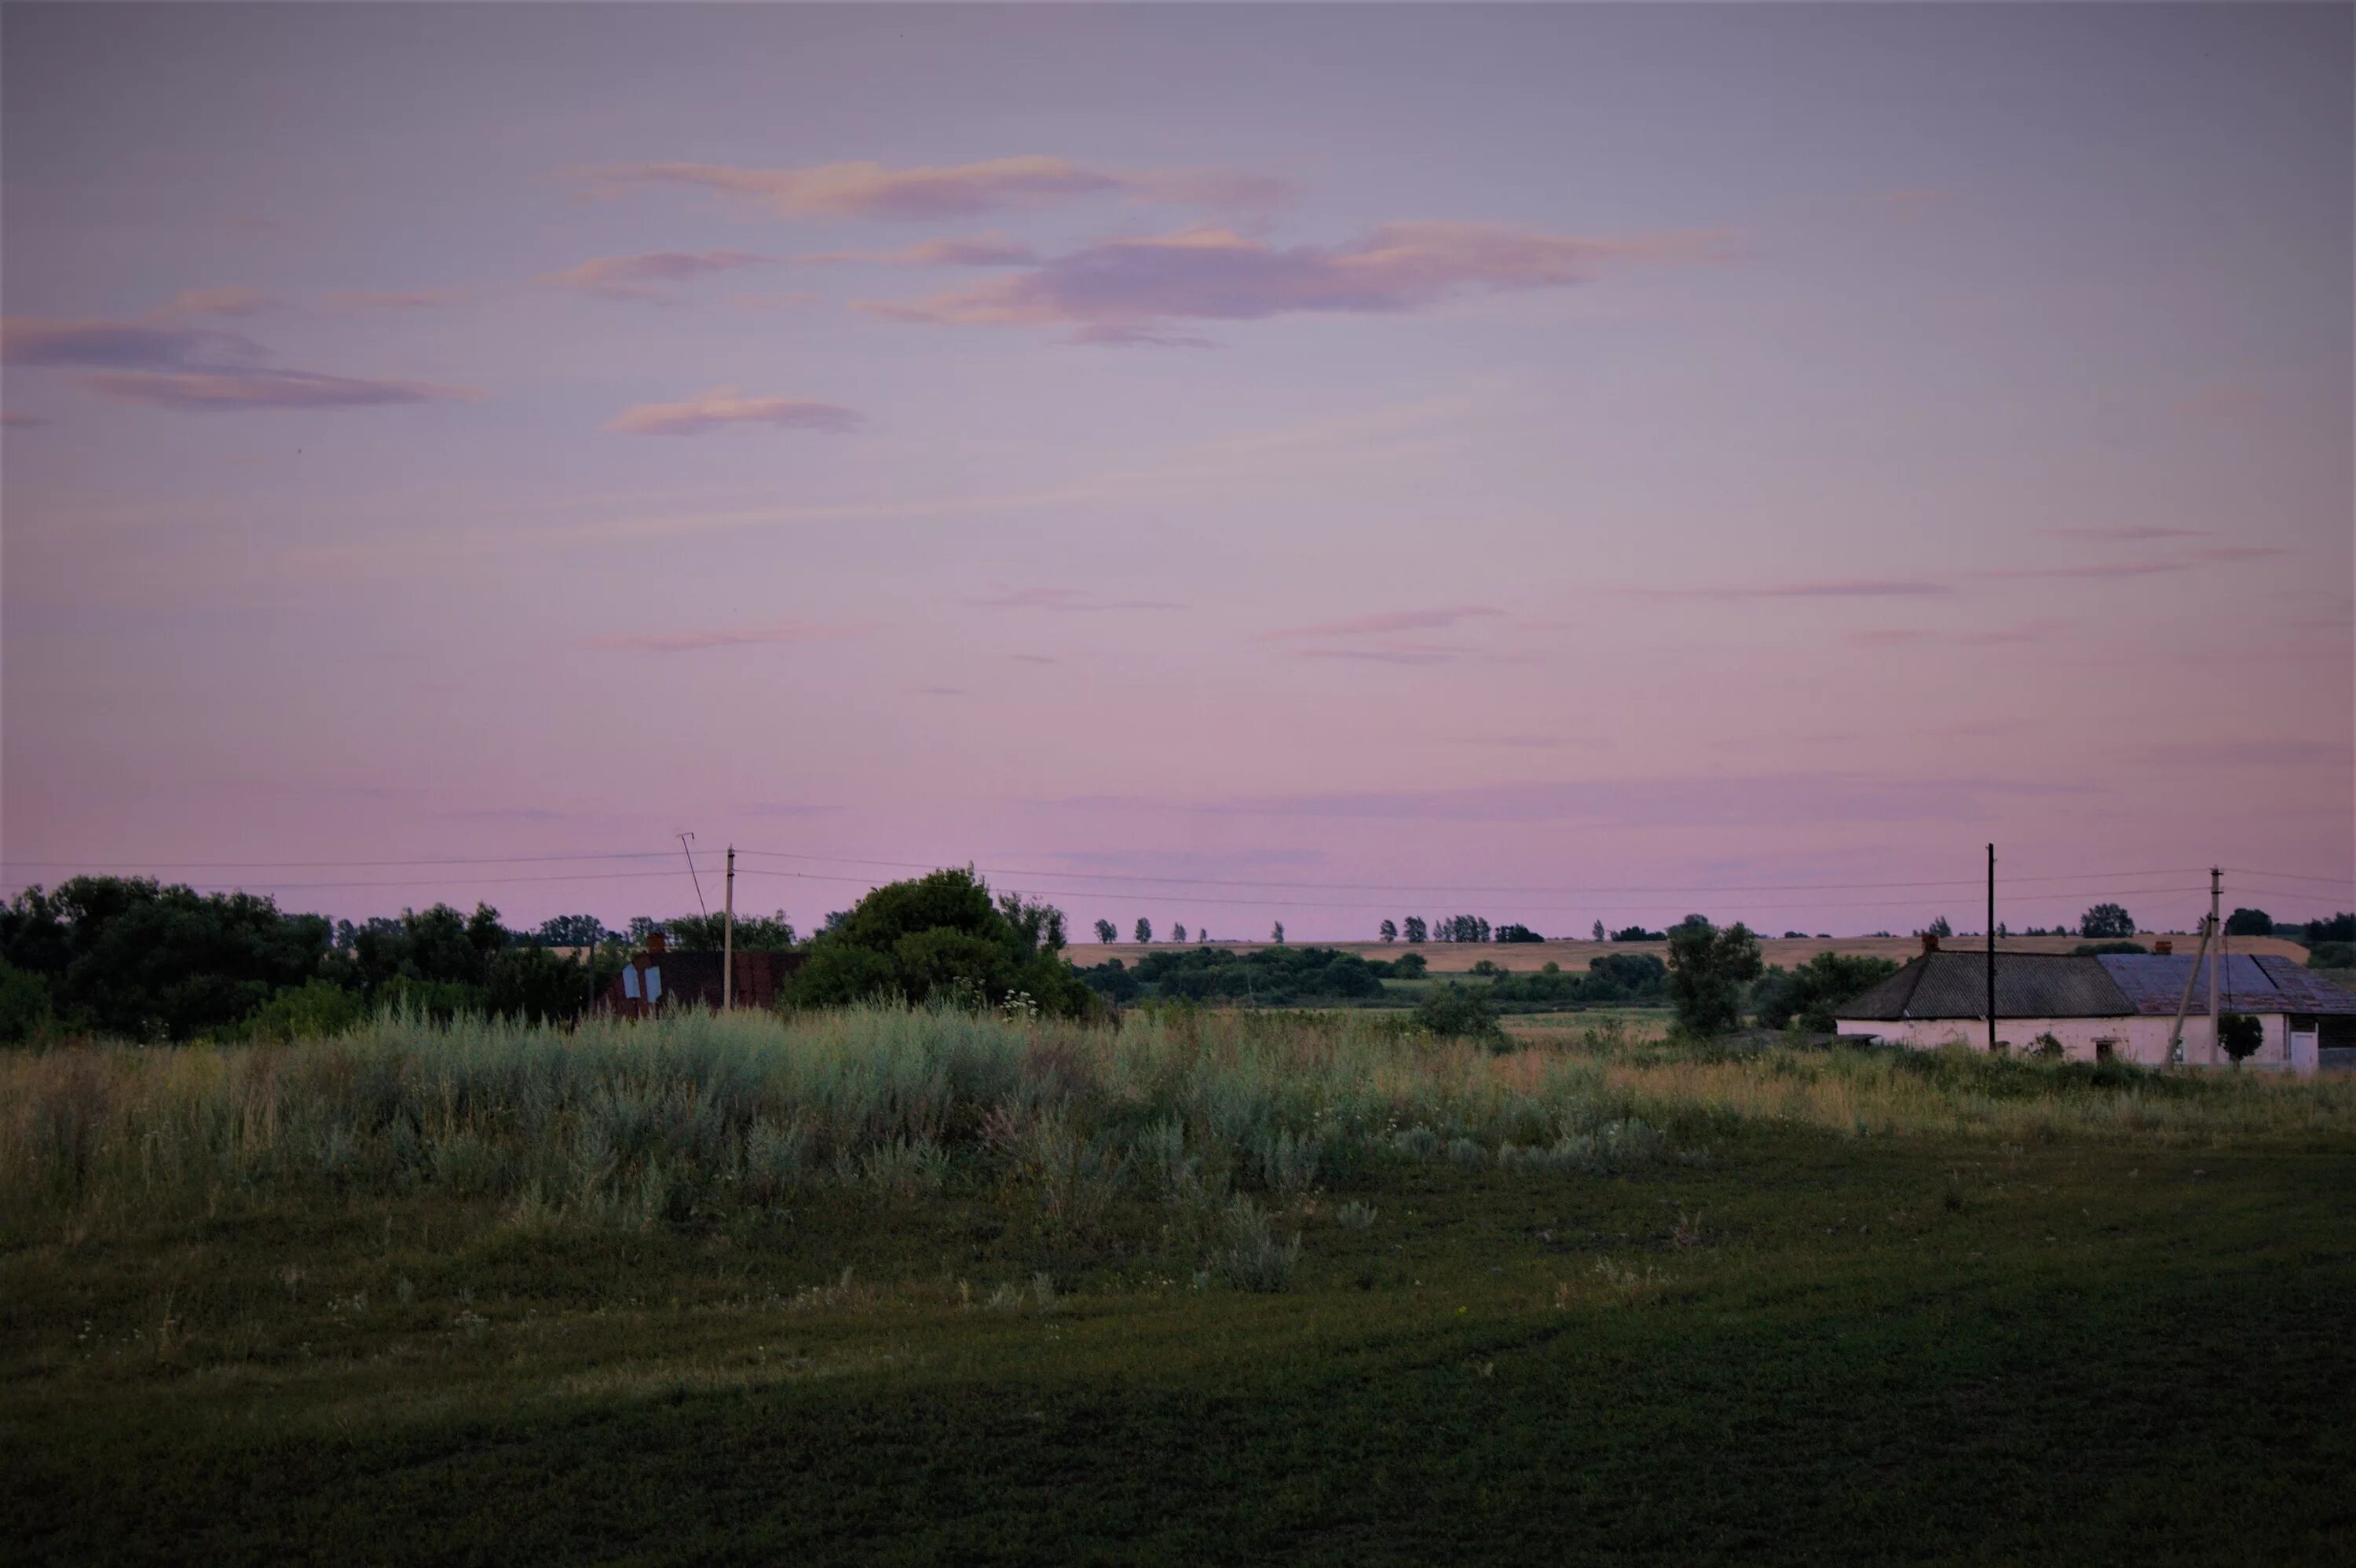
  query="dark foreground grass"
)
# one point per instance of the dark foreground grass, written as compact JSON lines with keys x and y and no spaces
{"x":1807,"y":1347}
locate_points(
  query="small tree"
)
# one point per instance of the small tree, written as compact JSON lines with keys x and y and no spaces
{"x":1708,"y":970}
{"x":1106,"y":932}
{"x":1277,"y":935}
{"x":1178,"y":933}
{"x":1144,"y":930}
{"x":2249,"y":923}
{"x":1458,"y":1012}
{"x":1415,"y":929}
{"x":2239,"y":1036}
{"x":1939,"y":928}
{"x":1391,"y":931}
{"x":1599,"y":930}
{"x":2106,"y":920}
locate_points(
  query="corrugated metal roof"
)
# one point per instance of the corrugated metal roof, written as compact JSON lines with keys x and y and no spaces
{"x":2111,"y":984}
{"x":2027,"y":986}
{"x":2308,"y":991}
{"x":2154,"y":983}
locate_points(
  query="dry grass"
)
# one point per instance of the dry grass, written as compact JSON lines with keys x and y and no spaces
{"x":635,"y":1126}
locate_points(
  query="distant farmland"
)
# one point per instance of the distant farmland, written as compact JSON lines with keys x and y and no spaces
{"x":1456,"y":957}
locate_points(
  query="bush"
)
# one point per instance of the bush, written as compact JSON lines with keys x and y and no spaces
{"x":2333,"y":956}
{"x":1410,"y":966}
{"x":2239,"y":1036}
{"x":24,"y":1005}
{"x":2095,"y":949}
{"x":1807,"y":995}
{"x":316,"y":1010}
{"x":1457,"y":1012}
{"x":940,"y":937}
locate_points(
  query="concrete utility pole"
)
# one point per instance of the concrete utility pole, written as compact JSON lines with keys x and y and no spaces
{"x":1991,"y":950}
{"x":2184,"y":1003}
{"x":2217,"y":962}
{"x":728,"y":937}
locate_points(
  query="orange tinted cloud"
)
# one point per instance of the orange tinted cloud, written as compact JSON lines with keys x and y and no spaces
{"x":1221,"y":275}
{"x":727,"y":406}
{"x":867,"y":190}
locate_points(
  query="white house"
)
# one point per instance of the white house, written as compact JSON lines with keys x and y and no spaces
{"x":2119,"y":1005}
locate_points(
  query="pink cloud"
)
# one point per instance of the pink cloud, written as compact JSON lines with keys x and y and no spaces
{"x":867,"y":190}
{"x":221,"y":301}
{"x":983,"y":251}
{"x":644,"y":277}
{"x":1392,"y":653}
{"x":1387,"y":621}
{"x":1218,"y":274}
{"x":180,"y":367}
{"x":401,"y":298}
{"x":728,"y":637}
{"x":27,"y":340}
{"x":1833,"y":588}
{"x":2229,"y":552}
{"x":727,"y":406}
{"x":2097,"y":570}
{"x":2132,"y":533}
{"x":11,"y":419}
{"x":1067,"y":600}
{"x":230,"y":389}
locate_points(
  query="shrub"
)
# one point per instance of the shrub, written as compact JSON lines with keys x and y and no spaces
{"x":1806,"y":996}
{"x":1255,"y":1259}
{"x":2095,"y":949}
{"x":940,"y":937}
{"x":1453,"y":1011}
{"x":2333,"y":956}
{"x":1410,"y":966}
{"x":316,"y":1010}
{"x":2239,"y":1036}
{"x":24,"y":1005}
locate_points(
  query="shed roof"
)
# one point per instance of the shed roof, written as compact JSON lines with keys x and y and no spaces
{"x":2262,"y":982}
{"x":2071,"y":985}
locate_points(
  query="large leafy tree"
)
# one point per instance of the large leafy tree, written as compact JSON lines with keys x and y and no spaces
{"x":132,"y":958}
{"x":942,"y":937}
{"x":1810,"y":992}
{"x":2106,"y":920}
{"x":1708,"y":970}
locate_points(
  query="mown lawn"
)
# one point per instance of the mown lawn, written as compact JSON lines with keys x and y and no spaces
{"x":1807,"y":1347}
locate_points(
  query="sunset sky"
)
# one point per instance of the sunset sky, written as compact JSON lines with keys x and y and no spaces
{"x":1205,"y":464}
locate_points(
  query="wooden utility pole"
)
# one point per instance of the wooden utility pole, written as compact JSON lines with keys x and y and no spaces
{"x":728,"y":937}
{"x":2216,"y":961}
{"x":1991,"y":950}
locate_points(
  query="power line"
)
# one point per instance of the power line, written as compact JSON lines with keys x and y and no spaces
{"x":2062,"y":895}
{"x":276,"y":865}
{"x":2292,"y":877}
{"x":1466,"y":888}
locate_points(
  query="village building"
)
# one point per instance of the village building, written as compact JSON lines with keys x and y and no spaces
{"x":2112,"y":1006}
{"x":660,"y":979}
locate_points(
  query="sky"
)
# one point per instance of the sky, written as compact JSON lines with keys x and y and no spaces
{"x":1210,"y":465}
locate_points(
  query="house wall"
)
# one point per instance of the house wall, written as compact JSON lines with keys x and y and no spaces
{"x":2141,"y":1039}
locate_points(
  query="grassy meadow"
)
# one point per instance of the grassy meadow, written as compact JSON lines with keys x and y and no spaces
{"x":884,"y":1286}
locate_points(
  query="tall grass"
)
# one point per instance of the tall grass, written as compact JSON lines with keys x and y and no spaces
{"x":639,"y":1125}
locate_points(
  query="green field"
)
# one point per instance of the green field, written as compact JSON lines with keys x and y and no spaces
{"x":906,"y":1287}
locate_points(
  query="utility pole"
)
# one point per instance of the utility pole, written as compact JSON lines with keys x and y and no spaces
{"x":2184,"y":1003}
{"x":728,"y":937}
{"x":686,"y":841}
{"x":2216,"y":890}
{"x":1991,"y":950}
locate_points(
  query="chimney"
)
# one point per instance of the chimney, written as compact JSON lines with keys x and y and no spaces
{"x":1929,"y":943}
{"x":654,"y":943}
{"x":2163,"y":947}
